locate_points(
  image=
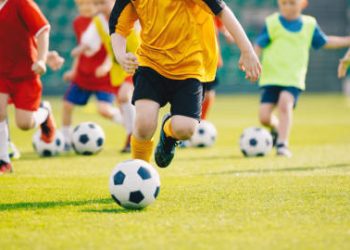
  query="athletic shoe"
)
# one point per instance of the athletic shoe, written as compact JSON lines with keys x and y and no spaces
{"x":5,"y":167}
{"x":127,"y":146}
{"x":48,"y":127}
{"x":165,"y":149}
{"x":13,"y":151}
{"x":282,"y":150}
{"x":274,"y":135}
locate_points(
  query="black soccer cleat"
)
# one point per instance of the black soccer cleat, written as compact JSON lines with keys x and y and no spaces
{"x":165,"y":149}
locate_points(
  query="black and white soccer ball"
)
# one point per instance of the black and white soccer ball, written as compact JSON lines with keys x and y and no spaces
{"x":255,"y":142}
{"x":134,"y":184}
{"x":205,"y":135}
{"x":44,"y":149}
{"x":88,"y":138}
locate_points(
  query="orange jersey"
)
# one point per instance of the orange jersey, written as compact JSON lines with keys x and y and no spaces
{"x":170,"y":35}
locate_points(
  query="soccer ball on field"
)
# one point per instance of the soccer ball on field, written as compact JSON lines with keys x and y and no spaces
{"x":48,"y":149}
{"x":134,"y":184}
{"x":204,"y":136}
{"x":88,"y":138}
{"x":255,"y":142}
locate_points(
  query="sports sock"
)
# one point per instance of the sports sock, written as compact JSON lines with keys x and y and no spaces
{"x":129,"y":116}
{"x":168,"y":129}
{"x":141,"y":149}
{"x":66,"y":131}
{"x":207,"y":103}
{"x":117,"y":115}
{"x":40,"y":116}
{"x":4,"y":133}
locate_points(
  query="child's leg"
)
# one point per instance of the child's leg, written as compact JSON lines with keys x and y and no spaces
{"x":27,"y":120}
{"x":180,"y":127}
{"x":105,"y":107}
{"x":4,"y":156}
{"x":285,"y":110}
{"x":67,"y":114}
{"x":128,"y":110}
{"x":209,"y":98}
{"x":145,"y":126}
{"x":266,"y":116}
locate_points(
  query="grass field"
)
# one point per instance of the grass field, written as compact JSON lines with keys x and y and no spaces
{"x":210,"y":198}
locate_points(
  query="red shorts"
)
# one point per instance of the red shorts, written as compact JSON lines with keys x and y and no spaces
{"x":24,"y":94}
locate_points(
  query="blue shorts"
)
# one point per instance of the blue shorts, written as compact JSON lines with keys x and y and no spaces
{"x":271,"y":93}
{"x":80,"y":96}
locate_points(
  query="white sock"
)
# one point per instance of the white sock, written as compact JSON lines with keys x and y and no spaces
{"x":66,"y":131}
{"x":40,"y":116}
{"x":129,"y":116}
{"x":117,"y":116}
{"x":4,"y":133}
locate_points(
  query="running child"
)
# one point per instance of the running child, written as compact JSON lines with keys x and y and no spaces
{"x":24,"y":36}
{"x":344,"y":65}
{"x":170,"y":67}
{"x":285,"y":43}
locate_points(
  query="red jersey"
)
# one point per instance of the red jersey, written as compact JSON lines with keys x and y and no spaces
{"x":20,"y":22}
{"x":85,"y":75}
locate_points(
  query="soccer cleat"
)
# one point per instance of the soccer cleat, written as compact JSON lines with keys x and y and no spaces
{"x":282,"y":150}
{"x":127,"y":146}
{"x":5,"y":167}
{"x":13,"y":151}
{"x":165,"y":149}
{"x":274,"y":135}
{"x":48,"y":127}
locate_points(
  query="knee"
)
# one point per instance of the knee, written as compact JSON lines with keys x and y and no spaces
{"x":144,"y":129}
{"x":25,"y":125}
{"x":123,"y":98}
{"x":184,"y":131}
{"x":2,"y":116}
{"x":103,"y":112}
{"x":285,"y":108}
{"x":265,"y":119}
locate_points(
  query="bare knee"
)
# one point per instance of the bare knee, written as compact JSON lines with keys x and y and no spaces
{"x":285,"y":108}
{"x":184,"y":128}
{"x":265,"y":118}
{"x":25,"y":124}
{"x":144,"y":130}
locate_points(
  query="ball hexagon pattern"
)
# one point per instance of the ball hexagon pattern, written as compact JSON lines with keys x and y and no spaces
{"x":255,"y":142}
{"x":88,"y":138}
{"x":134,"y":184}
{"x":205,"y":135}
{"x":44,"y":149}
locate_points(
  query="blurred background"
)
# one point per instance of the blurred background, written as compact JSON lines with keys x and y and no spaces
{"x":332,"y":16}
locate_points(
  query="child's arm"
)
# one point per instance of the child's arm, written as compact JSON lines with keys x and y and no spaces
{"x":344,"y":65}
{"x":70,"y":74}
{"x":104,"y":68}
{"x":54,"y":60}
{"x":39,"y":67}
{"x":337,"y":42}
{"x":127,"y":60}
{"x":249,"y":62}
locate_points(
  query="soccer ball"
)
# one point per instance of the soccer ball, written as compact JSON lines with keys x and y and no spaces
{"x":48,"y":149}
{"x":134,"y":184}
{"x":88,"y":138}
{"x":255,"y":142}
{"x":204,"y":136}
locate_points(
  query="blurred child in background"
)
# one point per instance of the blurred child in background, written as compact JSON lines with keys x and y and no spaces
{"x":285,"y":43}
{"x":88,"y":76}
{"x":344,"y":65}
{"x":97,"y":37}
{"x":24,"y":36}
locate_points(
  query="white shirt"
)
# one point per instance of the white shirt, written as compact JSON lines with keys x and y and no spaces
{"x":91,"y":38}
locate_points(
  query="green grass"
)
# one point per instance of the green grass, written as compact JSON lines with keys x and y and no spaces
{"x":210,"y":198}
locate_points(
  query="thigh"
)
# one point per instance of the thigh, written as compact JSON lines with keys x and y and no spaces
{"x":3,"y":106}
{"x":292,"y":92}
{"x":125,"y":92}
{"x":149,"y":85}
{"x":286,"y":101}
{"x":187,"y":98}
{"x":26,"y":95}
{"x":77,"y":95}
{"x":23,"y":116}
{"x":146,"y":120}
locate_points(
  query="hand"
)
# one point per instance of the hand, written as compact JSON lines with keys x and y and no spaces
{"x":102,"y":71}
{"x":68,"y":76}
{"x":343,"y":67}
{"x":77,"y":51}
{"x":39,"y":67}
{"x":54,"y":60}
{"x":249,"y":63}
{"x":128,"y":62}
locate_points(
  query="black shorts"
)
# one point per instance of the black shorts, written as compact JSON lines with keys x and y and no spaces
{"x":184,"y":96}
{"x":271,"y":93}
{"x":208,"y":86}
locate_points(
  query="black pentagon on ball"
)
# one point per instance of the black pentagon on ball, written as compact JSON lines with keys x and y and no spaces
{"x":253,"y":142}
{"x":201,"y":131}
{"x":119,"y":178}
{"x":92,"y":126}
{"x":76,"y":128}
{"x":58,"y":142}
{"x":201,"y":145}
{"x":156,"y":193}
{"x":136,"y":197}
{"x":116,"y":200}
{"x":47,"y":153}
{"x":87,"y":153}
{"x":144,"y":173}
{"x":260,"y":155}
{"x":99,"y":142}
{"x":84,"y":139}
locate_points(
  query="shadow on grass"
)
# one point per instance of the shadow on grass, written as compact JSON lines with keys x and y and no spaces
{"x":210,"y":157}
{"x":50,"y":204}
{"x":118,"y":210}
{"x":280,"y":170}
{"x":32,"y":156}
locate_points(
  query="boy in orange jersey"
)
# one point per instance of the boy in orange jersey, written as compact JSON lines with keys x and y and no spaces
{"x":170,"y":66}
{"x":24,"y":36}
{"x":88,"y":76}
